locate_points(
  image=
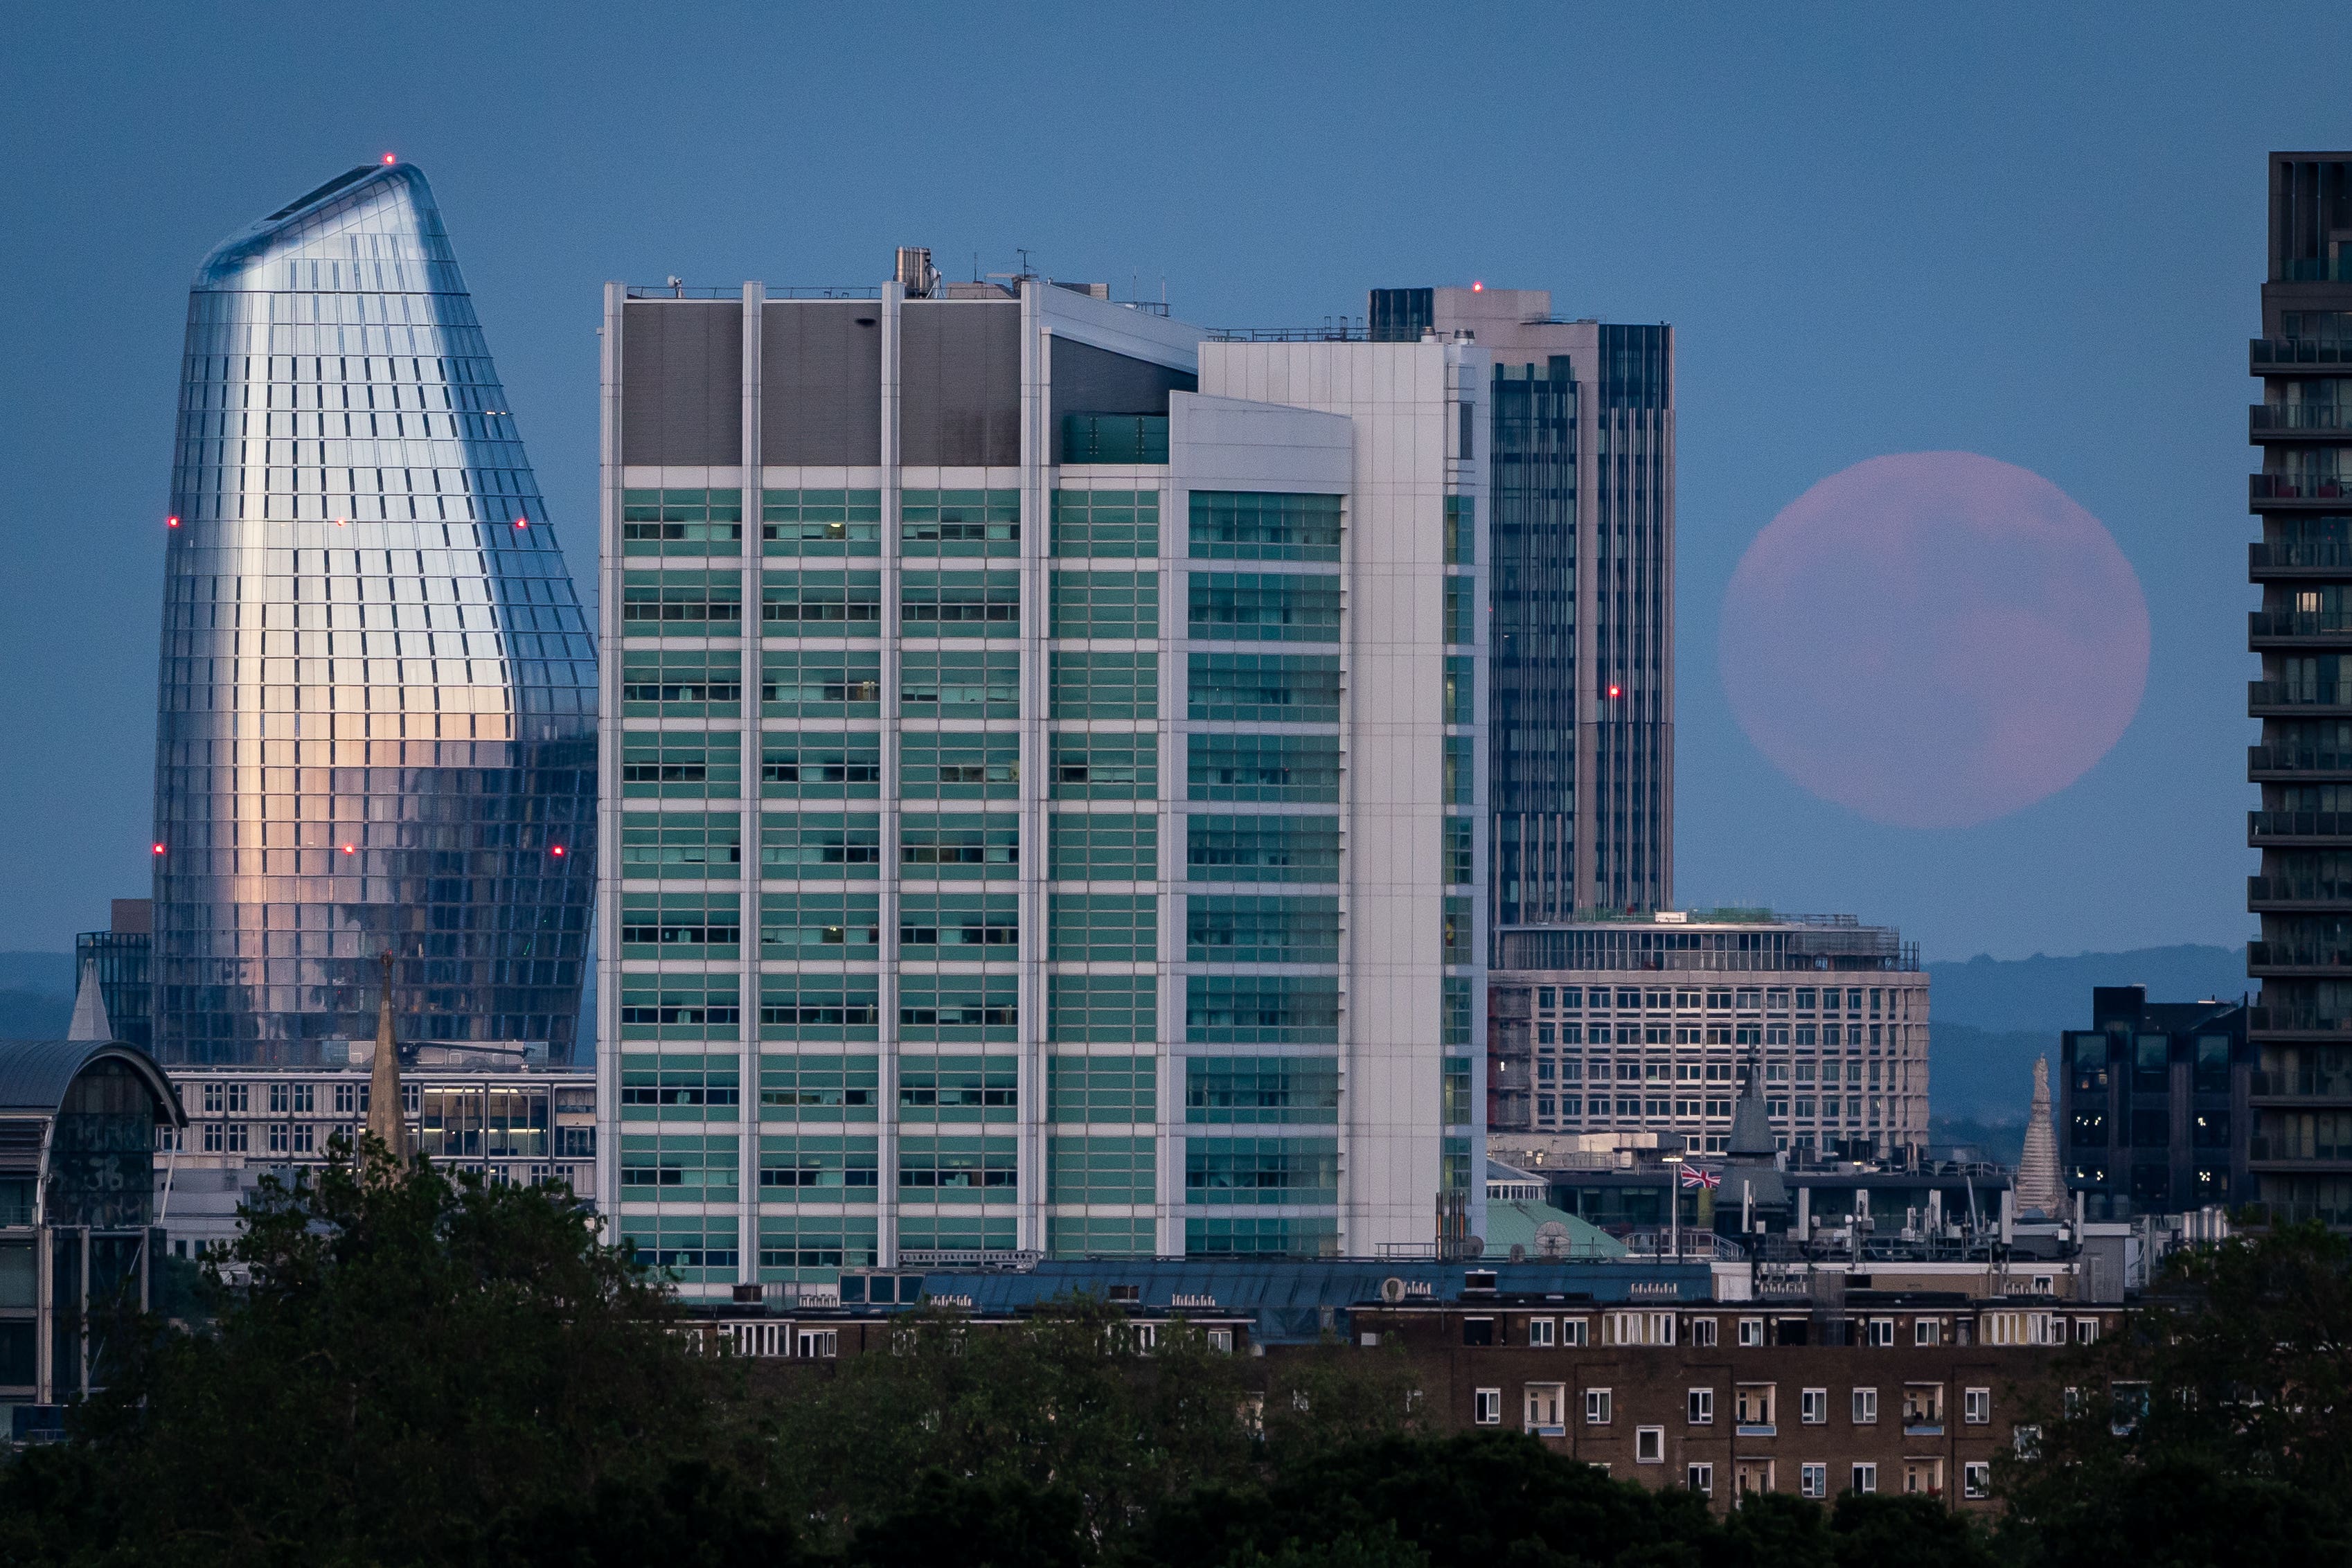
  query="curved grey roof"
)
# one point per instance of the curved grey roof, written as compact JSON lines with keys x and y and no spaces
{"x":35,"y":1073}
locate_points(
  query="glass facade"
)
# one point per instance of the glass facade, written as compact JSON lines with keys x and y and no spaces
{"x":377,"y":725}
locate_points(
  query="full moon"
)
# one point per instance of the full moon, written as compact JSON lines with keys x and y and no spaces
{"x":1934,"y":639}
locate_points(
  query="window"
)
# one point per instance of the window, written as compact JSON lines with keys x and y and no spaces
{"x":1699,"y":1404}
{"x":1882,"y":1331}
{"x":280,"y":1099}
{"x":1865,"y":1478}
{"x":1702,"y":1332}
{"x":1486,"y":1407}
{"x":1752,"y":1404}
{"x":1699,"y":1479}
{"x":1546,"y":1408}
{"x":1599,"y":1407}
{"x":1923,"y":1405}
{"x":346,"y":1099}
{"x":1649,"y":1444}
{"x":1752,"y":1331}
{"x":1540,"y":1331}
{"x":1814,"y":1481}
{"x":1477,"y":1330}
{"x":1574,"y":1330}
{"x":1976,"y":1407}
{"x":1222,"y":1340}
{"x":1976,"y":1480}
{"x":816,"y":1344}
{"x":1813,"y":1406}
{"x":2087,"y":1330}
{"x":1927,"y":1331}
{"x":1865,"y":1406}
{"x":2027,"y":1441}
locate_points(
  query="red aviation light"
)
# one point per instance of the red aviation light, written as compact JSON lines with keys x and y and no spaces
{"x":1477,"y":288}
{"x":522,"y":523}
{"x":350,"y":848}
{"x":1616,"y":691}
{"x":387,"y":158}
{"x":557,"y":851}
{"x":171,"y":522}
{"x":159,"y":850}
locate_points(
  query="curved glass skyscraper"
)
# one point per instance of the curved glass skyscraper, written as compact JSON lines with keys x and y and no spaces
{"x":376,"y":726}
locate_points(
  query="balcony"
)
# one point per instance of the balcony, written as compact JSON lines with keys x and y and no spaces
{"x":2300,"y":557}
{"x":2315,"y":1082}
{"x":2289,"y":958}
{"x":2276,"y":893}
{"x":2301,"y":761}
{"x":2265,"y":1019}
{"x":2317,"y":626}
{"x":2270,"y":489}
{"x":2296,"y":826}
{"x":2270,"y":353}
{"x":2298,"y":696}
{"x":2268,"y":1146}
{"x":2298,"y":420}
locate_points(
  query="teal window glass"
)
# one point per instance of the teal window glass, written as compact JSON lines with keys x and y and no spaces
{"x":1268,"y":768}
{"x":1453,"y":1165}
{"x":1461,"y":688}
{"x":680,"y":1008}
{"x":921,"y":1230}
{"x":1454,"y":1010}
{"x":1104,"y":685}
{"x":1114,"y":439}
{"x":820,"y":1166}
{"x":819,"y":1087}
{"x":1102,"y":1089}
{"x":820,"y":927}
{"x":952,"y":846}
{"x":1101,"y":1168}
{"x":959,"y":1007}
{"x":1274,"y":1090}
{"x":1123,"y":604}
{"x":681,"y":925}
{"x":1461,"y":625}
{"x":820,"y":1007}
{"x":1460,"y":770}
{"x":681,"y":603}
{"x":679,"y":1088}
{"x":682,"y":522}
{"x":816,"y":1248}
{"x":1261,"y":1170}
{"x":957,"y":1170}
{"x":1106,"y":524}
{"x":680,"y":845}
{"x":677,"y":1168}
{"x":1252,"y":1237}
{"x":1453,"y":931}
{"x":1102,"y":1236}
{"x":821,"y":523}
{"x":836,"y":601}
{"x":1461,"y":530}
{"x":1105,"y":766}
{"x":1247,"y":525}
{"x":681,"y":765}
{"x":1101,"y":1009}
{"x":1103,"y":927}
{"x":961,"y":927}
{"x":959,"y":1088}
{"x":1264,"y":687}
{"x":1461,"y":866}
{"x":822,"y":765}
{"x":960,"y":522}
{"x":821,"y":845}
{"x":1262,"y":849}
{"x":958,"y":765}
{"x":1261,"y":1009}
{"x":812,"y":683}
{"x":1454,"y":1091}
{"x":1261,"y":928}
{"x":694,"y":1250}
{"x":681,"y":683}
{"x":1102,"y":847}
{"x":959,"y":683}
{"x":1263,"y":607}
{"x":960,"y":604}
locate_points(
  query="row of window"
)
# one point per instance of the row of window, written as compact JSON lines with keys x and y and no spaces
{"x":1756,"y":1406}
{"x":1802,"y":1035}
{"x":1724,"y":999}
{"x":311,"y":1138}
{"x":1622,"y":1105}
{"x":1571,"y":1069}
{"x":1638,"y":1327}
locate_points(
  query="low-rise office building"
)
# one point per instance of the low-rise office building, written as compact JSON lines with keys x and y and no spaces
{"x":2156,"y":1106}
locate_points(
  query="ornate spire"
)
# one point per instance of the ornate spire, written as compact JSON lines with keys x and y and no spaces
{"x":2038,"y":1187}
{"x":386,"y":1119}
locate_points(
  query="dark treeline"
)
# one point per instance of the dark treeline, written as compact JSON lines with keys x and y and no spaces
{"x":410,"y":1370}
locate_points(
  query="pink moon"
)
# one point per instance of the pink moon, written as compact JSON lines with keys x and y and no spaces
{"x":1934,"y":639}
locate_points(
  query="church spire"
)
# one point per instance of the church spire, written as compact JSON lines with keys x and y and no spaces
{"x":387,"y":1120}
{"x":2037,"y":1171}
{"x":89,"y":1019}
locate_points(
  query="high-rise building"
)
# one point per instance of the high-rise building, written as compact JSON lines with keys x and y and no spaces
{"x":1650,"y":1025}
{"x":2152,"y":1105}
{"x":377,"y":725}
{"x":2301,"y":1027}
{"x":1580,"y":517}
{"x":1043,"y":777}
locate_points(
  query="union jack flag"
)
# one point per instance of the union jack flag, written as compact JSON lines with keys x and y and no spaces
{"x":1695,"y":1177}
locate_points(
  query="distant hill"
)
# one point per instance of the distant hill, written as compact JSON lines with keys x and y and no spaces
{"x":1990,"y":1017}
{"x":36,"y":995}
{"x":51,"y":974}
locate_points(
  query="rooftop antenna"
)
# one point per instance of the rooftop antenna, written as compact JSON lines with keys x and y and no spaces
{"x":1022,"y":252}
{"x":677,"y":286}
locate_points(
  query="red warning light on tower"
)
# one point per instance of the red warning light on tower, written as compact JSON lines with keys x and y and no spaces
{"x":1616,"y":691}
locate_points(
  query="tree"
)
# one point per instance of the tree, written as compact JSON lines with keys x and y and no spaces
{"x":405,"y":1369}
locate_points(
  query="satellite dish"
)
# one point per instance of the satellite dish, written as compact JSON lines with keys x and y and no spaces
{"x":1518,"y":1252}
{"x":1475,"y":1247}
{"x":1551,"y":1239}
{"x":1393,"y":1289}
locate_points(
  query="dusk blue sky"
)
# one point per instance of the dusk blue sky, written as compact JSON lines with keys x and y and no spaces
{"x":2030,"y":232}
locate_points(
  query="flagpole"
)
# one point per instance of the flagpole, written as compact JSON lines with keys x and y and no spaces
{"x":1674,"y":1201}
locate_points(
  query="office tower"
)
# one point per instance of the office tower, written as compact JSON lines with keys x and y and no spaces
{"x":1581,"y":516}
{"x":2302,"y":1024}
{"x":1648,"y":1024}
{"x":1042,"y":775}
{"x":2152,"y":1105}
{"x":119,"y":961}
{"x":376,"y":718}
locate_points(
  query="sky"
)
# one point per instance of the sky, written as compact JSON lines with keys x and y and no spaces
{"x":2030,"y":232}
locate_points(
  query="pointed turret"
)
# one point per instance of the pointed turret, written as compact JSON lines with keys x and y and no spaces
{"x":386,"y":1119}
{"x":2037,"y":1187}
{"x":89,"y":1019}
